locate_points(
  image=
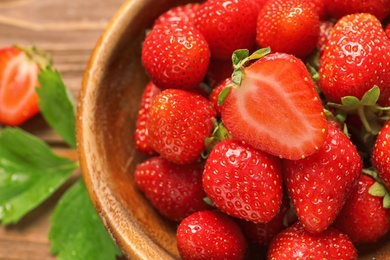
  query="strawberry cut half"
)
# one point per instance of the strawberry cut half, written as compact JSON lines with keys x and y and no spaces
{"x":19,"y":68}
{"x":276,"y":107}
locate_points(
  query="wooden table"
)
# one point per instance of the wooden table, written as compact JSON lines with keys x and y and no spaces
{"x":69,"y":30}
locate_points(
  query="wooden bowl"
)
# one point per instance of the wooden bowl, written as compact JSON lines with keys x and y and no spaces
{"x":107,"y":111}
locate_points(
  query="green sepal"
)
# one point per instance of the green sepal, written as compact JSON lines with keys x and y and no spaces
{"x":220,"y":133}
{"x":223,"y":94}
{"x":240,"y":58}
{"x":208,"y":201}
{"x":377,"y":190}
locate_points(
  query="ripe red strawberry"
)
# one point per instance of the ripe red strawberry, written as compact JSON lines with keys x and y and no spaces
{"x":210,"y":235}
{"x":276,"y":108}
{"x":325,"y":31}
{"x":227,"y":25}
{"x":262,"y":233}
{"x":355,"y":59}
{"x":19,"y":69}
{"x":320,"y":184}
{"x":243,"y":182}
{"x":183,"y":14}
{"x":288,"y":26}
{"x":214,"y":95}
{"x":296,"y":243}
{"x":387,"y":31}
{"x":363,"y":217}
{"x":174,"y":190}
{"x":340,"y":8}
{"x":142,"y":127}
{"x":381,"y":154}
{"x":179,"y":121}
{"x":218,"y":71}
{"x":175,"y":55}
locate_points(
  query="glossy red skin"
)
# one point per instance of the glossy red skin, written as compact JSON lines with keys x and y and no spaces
{"x":218,"y":71}
{"x":296,"y":242}
{"x":210,"y":235}
{"x":142,"y":127}
{"x":18,"y":81}
{"x":243,"y":182}
{"x":340,"y":8}
{"x":262,"y":233}
{"x":320,"y":184}
{"x":325,"y":31}
{"x":381,"y":154}
{"x":183,"y":13}
{"x":175,"y":55}
{"x":355,"y":59}
{"x":288,"y":26}
{"x":179,"y":121}
{"x":174,"y":190}
{"x":227,"y":26}
{"x":214,"y":95}
{"x":363,"y":217}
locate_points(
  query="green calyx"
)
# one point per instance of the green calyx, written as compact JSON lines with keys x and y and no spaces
{"x":219,"y":134}
{"x":371,"y":117}
{"x":378,"y":189}
{"x":42,"y":58}
{"x":370,"y":113}
{"x":241,"y":58}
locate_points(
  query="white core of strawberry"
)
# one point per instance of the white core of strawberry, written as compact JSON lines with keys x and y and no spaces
{"x":25,"y":70}
{"x":268,"y":111}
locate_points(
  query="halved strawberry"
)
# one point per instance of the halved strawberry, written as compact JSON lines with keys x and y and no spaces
{"x":19,"y":70}
{"x":276,"y":109}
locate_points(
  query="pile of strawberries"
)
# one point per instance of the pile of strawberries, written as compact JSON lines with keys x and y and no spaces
{"x":267,"y":127}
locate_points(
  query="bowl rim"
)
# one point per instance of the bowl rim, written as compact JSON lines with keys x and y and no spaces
{"x":87,"y":142}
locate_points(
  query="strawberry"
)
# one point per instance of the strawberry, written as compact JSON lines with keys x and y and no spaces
{"x":263,"y":233}
{"x":210,"y":235}
{"x":218,"y":71}
{"x":320,"y":184}
{"x":296,"y":243}
{"x":174,"y":190}
{"x":325,"y":31}
{"x":276,"y":107}
{"x":214,"y":95}
{"x":380,"y":156}
{"x":142,"y":127}
{"x":288,"y":26}
{"x":340,"y":8}
{"x":355,"y":59}
{"x":243,"y":182}
{"x":175,"y":55}
{"x":227,"y":25}
{"x":387,"y":30}
{"x":182,"y":13}
{"x":179,"y":121}
{"x":19,"y":69}
{"x":363,"y":217}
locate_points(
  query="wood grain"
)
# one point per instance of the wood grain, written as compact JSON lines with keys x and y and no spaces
{"x":68,"y":30}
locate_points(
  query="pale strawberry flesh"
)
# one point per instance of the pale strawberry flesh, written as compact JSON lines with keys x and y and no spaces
{"x":276,"y":108}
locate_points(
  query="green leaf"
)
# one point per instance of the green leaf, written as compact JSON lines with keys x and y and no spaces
{"x":377,"y":189}
{"x":260,"y":53}
{"x":29,"y":173}
{"x":238,"y":56}
{"x":77,"y":232}
{"x":57,"y":105}
{"x":371,"y":97}
{"x":350,"y":103}
{"x":223,"y":94}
